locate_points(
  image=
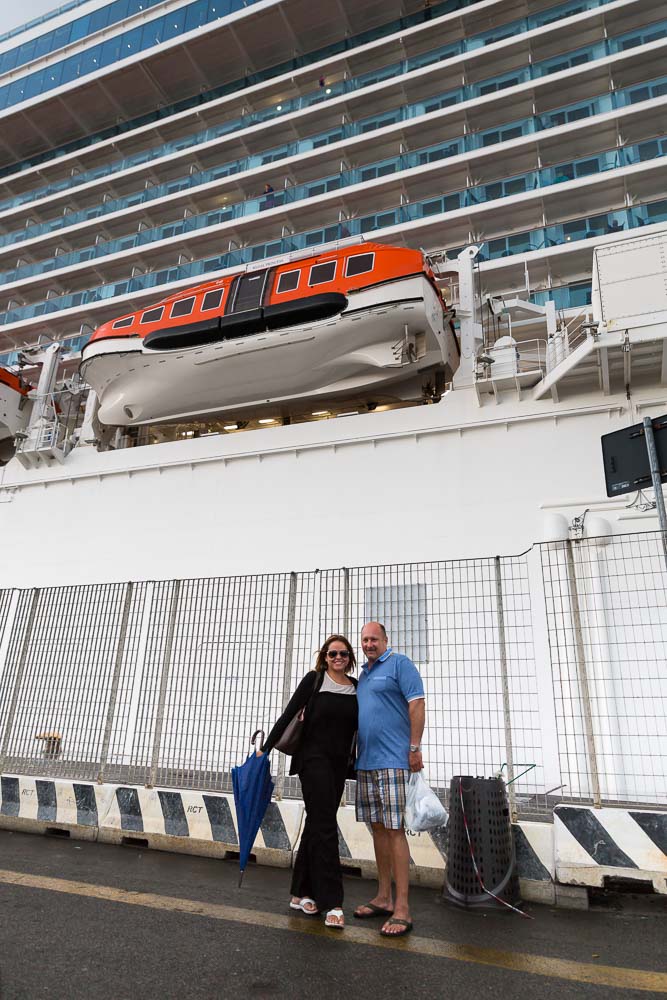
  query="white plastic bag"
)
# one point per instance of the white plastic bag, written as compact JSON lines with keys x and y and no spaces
{"x":423,"y":808}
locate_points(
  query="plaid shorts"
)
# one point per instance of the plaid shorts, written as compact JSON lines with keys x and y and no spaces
{"x":381,"y":796}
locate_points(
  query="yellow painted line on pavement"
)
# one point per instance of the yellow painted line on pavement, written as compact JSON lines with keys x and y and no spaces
{"x":539,"y":965}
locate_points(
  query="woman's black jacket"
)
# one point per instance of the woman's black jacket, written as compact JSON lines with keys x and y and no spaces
{"x":307,"y":688}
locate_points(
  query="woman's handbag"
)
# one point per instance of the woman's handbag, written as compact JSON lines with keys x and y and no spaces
{"x":290,"y":741}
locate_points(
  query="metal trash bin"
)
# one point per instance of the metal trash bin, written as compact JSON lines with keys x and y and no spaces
{"x":489,"y":825}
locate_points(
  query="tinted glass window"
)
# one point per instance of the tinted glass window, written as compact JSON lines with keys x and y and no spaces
{"x":128,"y":321}
{"x":182,"y":308}
{"x":360,"y":264}
{"x":322,"y":272}
{"x":213,"y":299}
{"x":153,"y":315}
{"x":289,"y":281}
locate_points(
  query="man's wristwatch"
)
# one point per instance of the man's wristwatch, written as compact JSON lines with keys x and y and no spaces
{"x":415,"y":748}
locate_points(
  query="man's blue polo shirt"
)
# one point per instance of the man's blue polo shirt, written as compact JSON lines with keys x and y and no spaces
{"x":383,"y":694}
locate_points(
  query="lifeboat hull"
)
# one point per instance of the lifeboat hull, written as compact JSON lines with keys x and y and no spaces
{"x":371,"y":339}
{"x":14,"y":412}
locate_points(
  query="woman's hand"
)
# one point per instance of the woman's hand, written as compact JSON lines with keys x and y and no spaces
{"x":259,"y":753}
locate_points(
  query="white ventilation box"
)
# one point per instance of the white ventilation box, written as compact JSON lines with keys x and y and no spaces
{"x":630,"y":282}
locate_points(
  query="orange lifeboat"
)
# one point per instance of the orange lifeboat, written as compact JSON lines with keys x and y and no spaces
{"x":325,"y":324}
{"x":13,"y":411}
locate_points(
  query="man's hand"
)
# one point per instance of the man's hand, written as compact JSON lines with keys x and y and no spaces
{"x":415,"y":760}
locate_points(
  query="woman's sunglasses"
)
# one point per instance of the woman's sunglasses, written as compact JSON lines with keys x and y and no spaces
{"x":333,"y":653}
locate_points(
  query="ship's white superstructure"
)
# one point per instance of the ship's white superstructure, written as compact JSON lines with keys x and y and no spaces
{"x":136,"y":162}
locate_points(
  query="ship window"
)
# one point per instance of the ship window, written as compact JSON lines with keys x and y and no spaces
{"x":320,"y":273}
{"x":183,"y":307}
{"x":127,"y":321}
{"x":360,"y":264}
{"x":288,"y":281}
{"x":212,"y":299}
{"x":153,"y":315}
{"x":404,"y":610}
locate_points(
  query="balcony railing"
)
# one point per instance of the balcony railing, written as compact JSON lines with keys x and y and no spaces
{"x":491,"y":85}
{"x":519,"y":184}
{"x":536,"y":239}
{"x":346,"y":44}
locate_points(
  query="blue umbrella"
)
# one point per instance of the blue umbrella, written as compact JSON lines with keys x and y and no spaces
{"x":253,"y":788}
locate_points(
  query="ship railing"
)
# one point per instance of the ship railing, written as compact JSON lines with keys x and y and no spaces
{"x":523,"y":357}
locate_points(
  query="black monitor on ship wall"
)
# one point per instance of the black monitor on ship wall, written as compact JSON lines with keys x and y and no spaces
{"x":625,"y":458}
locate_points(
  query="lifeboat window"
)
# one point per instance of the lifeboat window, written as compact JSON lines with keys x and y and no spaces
{"x":182,"y":308}
{"x":153,"y":315}
{"x":360,"y":264}
{"x":320,"y":273}
{"x":127,"y":321}
{"x":288,"y":281}
{"x":212,"y":299}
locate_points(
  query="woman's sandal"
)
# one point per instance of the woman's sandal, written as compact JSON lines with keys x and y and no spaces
{"x":302,"y":905}
{"x":338,"y":923}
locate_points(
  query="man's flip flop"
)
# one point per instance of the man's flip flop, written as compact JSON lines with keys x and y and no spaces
{"x":397,"y":922}
{"x":376,"y":911}
{"x":301,"y":905}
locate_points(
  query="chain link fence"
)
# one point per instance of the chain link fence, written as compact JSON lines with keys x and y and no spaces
{"x":548,"y":667}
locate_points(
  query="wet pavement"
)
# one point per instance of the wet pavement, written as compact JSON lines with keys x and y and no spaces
{"x":85,"y":920}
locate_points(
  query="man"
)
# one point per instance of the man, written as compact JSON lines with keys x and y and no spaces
{"x":391,"y":723}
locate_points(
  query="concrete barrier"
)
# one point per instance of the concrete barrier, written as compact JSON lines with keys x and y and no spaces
{"x":199,"y":823}
{"x":584,"y":847}
{"x":43,"y":805}
{"x":593,"y":846}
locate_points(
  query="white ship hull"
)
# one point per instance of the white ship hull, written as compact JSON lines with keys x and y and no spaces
{"x":388,"y":334}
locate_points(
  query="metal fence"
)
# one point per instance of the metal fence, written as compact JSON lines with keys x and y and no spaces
{"x":553,"y":661}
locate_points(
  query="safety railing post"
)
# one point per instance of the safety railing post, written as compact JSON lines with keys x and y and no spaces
{"x":287,"y":672}
{"x":507,"y":714}
{"x":115,"y":681}
{"x":164,"y":683}
{"x":584,"y":689}
{"x":18,"y":680}
{"x":346,"y":602}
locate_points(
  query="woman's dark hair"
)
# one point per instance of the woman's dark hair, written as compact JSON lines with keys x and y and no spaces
{"x":321,"y":664}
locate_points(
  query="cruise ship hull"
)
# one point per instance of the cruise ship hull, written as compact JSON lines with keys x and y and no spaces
{"x":386,"y":335}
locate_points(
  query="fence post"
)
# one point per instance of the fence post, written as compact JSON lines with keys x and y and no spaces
{"x":113,"y":695}
{"x":287,"y":672}
{"x":540,"y":607}
{"x":583,"y":675}
{"x":7,"y":629}
{"x":346,"y":602}
{"x":507,"y":716}
{"x":164,"y":682}
{"x":20,"y":667}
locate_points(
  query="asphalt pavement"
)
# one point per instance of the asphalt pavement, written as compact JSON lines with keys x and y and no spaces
{"x":86,"y":921}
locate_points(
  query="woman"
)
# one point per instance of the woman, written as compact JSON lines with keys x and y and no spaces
{"x":322,"y":762}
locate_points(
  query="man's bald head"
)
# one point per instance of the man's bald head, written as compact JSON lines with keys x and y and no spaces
{"x":374,"y":641}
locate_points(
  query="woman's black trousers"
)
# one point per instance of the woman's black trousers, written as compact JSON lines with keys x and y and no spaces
{"x":317,"y":867}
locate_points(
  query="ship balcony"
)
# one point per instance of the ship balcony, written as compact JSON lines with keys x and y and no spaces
{"x":534,"y":139}
{"x":525,"y":138}
{"x":188,"y":60}
{"x":293,"y":104}
{"x":507,"y":216}
{"x":465,"y":161}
